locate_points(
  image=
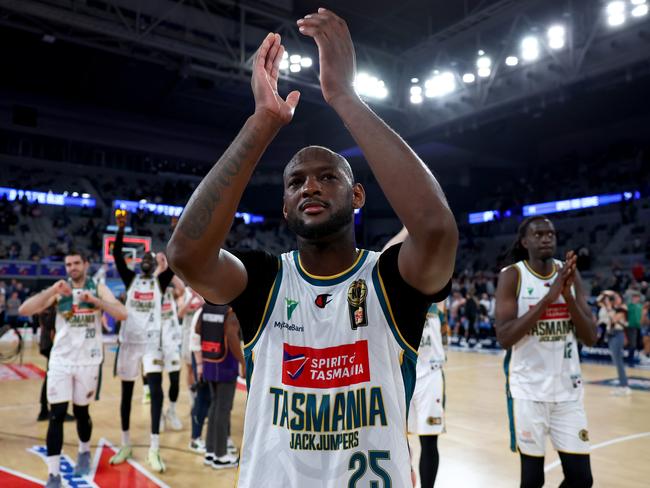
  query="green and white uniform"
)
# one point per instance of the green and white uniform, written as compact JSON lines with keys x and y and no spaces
{"x":544,"y":380}
{"x":143,"y":304}
{"x":77,"y":352}
{"x":426,"y":415}
{"x":329,"y":383}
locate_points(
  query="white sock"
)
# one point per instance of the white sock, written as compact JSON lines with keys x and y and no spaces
{"x":53,"y":463}
{"x":172,"y":407}
{"x":155,"y":441}
{"x":126,"y":438}
{"x":84,"y":446}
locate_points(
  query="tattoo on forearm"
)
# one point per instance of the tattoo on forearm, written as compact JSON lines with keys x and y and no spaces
{"x":198,"y":212}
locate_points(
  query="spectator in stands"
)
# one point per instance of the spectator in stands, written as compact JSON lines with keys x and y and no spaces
{"x":614,"y":316}
{"x":584,"y":259}
{"x":638,"y":272}
{"x":644,"y":356}
{"x":596,"y":285}
{"x":13,"y":303}
{"x":455,"y":304}
{"x":471,"y":313}
{"x":633,"y":330}
{"x":3,"y":302}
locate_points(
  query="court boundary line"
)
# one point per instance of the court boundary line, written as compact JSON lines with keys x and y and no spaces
{"x":615,"y":440}
{"x":103,"y":442}
{"x":18,"y":474}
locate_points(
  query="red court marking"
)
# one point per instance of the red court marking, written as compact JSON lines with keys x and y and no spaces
{"x":17,"y":370}
{"x":35,"y":369}
{"x":122,"y":475}
{"x":13,"y":372}
{"x":16,"y":480}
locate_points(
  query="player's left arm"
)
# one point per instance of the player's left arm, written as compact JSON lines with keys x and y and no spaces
{"x":426,"y":259}
{"x":581,"y":315}
{"x":106,"y":301}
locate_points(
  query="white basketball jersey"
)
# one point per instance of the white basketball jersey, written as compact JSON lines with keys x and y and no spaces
{"x":78,"y":339}
{"x":171,"y":328}
{"x":431,"y":353}
{"x":143,"y":303}
{"x":330,"y":379}
{"x":544,"y":365}
{"x":188,"y":319}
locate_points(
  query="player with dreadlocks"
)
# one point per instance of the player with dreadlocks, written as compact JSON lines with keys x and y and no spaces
{"x":541,"y":312}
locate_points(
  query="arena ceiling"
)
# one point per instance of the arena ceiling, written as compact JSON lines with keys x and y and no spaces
{"x":182,"y":66}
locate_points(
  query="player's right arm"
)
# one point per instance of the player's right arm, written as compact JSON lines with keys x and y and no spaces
{"x":195,"y":248}
{"x":40,"y":301}
{"x":510,"y":328}
{"x":123,"y":270}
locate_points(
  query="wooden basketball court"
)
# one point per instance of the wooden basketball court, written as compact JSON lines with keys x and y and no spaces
{"x":473,"y":453}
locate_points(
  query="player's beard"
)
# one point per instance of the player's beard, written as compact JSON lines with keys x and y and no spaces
{"x":314,"y":232}
{"x":77,"y":277}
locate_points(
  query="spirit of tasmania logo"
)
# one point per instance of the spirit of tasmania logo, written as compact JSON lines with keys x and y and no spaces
{"x":556,"y":311}
{"x":330,"y":367}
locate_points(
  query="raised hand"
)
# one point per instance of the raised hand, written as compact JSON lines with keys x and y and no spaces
{"x":161,"y":260}
{"x":335,"y":53}
{"x":62,"y":287}
{"x":120,"y":218}
{"x":570,"y":265}
{"x":557,"y":286}
{"x":266,"y":68}
{"x":88,"y":297}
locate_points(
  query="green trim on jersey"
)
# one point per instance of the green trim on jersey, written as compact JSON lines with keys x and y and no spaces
{"x":409,"y":356}
{"x":248,"y":358}
{"x":385,"y":307}
{"x":510,"y":402}
{"x":408,"y":369}
{"x":329,"y":280}
{"x":270,"y":305}
{"x":65,"y":302}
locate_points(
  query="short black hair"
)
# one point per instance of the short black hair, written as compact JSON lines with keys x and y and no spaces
{"x":75,"y":252}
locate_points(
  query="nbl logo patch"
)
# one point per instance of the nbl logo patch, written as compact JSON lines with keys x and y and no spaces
{"x":330,"y":367}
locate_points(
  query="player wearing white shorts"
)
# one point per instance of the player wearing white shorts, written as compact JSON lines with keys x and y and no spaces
{"x":164,"y":353}
{"x":426,"y":413}
{"x":137,"y":335}
{"x":76,"y":355}
{"x":541,"y":312}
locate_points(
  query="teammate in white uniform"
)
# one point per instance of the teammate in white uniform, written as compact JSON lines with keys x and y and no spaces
{"x":541,"y":312}
{"x":76,"y":355}
{"x":191,"y":305}
{"x":139,"y":335}
{"x":331,"y":331}
{"x":167,"y":356}
{"x":427,"y":411}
